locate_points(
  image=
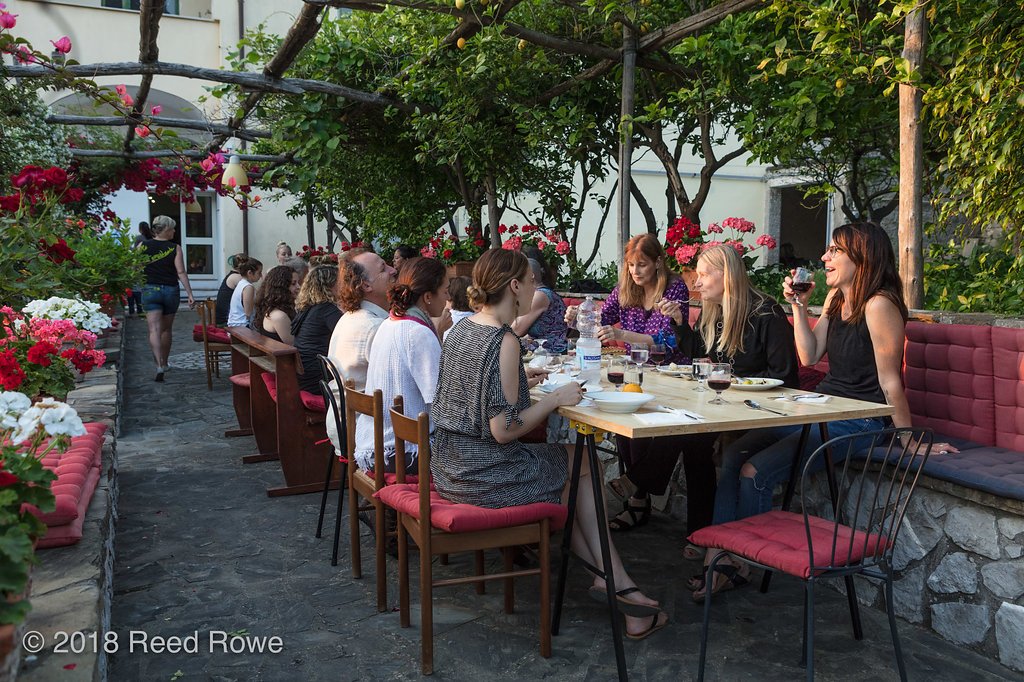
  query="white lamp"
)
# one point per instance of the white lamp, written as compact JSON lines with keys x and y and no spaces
{"x":193,"y":207}
{"x":234,"y":170}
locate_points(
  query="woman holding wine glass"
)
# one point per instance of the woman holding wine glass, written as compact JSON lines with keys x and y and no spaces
{"x":646,"y":289}
{"x":862,"y":328}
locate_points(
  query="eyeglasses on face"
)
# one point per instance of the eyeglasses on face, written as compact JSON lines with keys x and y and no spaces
{"x":832,"y":250}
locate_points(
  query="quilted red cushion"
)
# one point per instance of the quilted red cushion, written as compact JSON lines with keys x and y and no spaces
{"x":391,"y":479}
{"x":1008,"y":362}
{"x":70,"y":533}
{"x":949,"y":379}
{"x":73,"y":469}
{"x":465,"y":518}
{"x":214,"y":334}
{"x":779,"y":539}
{"x":311,"y":401}
{"x":241,"y":379}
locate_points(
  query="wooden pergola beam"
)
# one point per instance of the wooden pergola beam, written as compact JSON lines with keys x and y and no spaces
{"x":159,"y":121}
{"x":187,"y":153}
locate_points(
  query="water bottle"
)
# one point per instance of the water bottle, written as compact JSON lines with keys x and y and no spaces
{"x":588,"y":347}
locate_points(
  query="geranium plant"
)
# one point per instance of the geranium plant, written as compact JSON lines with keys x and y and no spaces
{"x":27,"y":433}
{"x":553,"y":246}
{"x":85,"y":314}
{"x":448,"y":249}
{"x":321,"y":256}
{"x":685,"y":240}
{"x":38,"y":356}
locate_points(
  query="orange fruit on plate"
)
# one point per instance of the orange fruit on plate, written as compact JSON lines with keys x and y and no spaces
{"x":632,"y":388}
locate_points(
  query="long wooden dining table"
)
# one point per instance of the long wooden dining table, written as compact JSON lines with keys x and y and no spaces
{"x":678,"y":393}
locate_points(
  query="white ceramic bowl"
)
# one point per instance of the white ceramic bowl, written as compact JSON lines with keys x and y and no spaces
{"x":619,"y":402}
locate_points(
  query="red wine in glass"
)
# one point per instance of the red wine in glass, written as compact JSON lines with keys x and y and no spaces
{"x":658,"y":357}
{"x":801,"y":287}
{"x":616,"y":378}
{"x":719,"y":385}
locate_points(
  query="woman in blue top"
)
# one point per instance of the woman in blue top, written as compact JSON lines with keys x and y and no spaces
{"x":546,"y":317}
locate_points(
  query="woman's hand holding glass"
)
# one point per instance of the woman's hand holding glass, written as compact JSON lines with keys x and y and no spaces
{"x":798,"y":287}
{"x":607,"y":333}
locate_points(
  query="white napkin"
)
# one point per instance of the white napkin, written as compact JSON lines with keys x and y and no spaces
{"x":805,"y":398}
{"x":667,"y":415}
{"x":539,"y":362}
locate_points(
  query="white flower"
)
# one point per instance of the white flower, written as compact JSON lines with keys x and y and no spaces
{"x":12,"y":405}
{"x":85,"y":314}
{"x":56,"y":418}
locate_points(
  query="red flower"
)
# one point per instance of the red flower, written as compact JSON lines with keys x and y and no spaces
{"x":54,"y":177}
{"x":7,"y":478}
{"x":73,"y":194}
{"x":480,"y":242}
{"x":82,"y":361}
{"x":447,"y":253}
{"x":502,"y":229}
{"x":11,"y":202}
{"x":11,"y":374}
{"x":58,"y":252}
{"x":28,"y":177}
{"x":41,"y":352}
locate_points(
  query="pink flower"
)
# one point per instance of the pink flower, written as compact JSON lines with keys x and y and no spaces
{"x":685,"y":253}
{"x":562,"y":248}
{"x":62,"y":44}
{"x":710,"y":244}
{"x":513,"y":243}
{"x":207,"y":165}
{"x":714,"y":228}
{"x":428,"y":252}
{"x":121,"y":90}
{"x":738,"y":245}
{"x":157,"y":109}
{"x":128,"y":100}
{"x":8,"y":20}
{"x":738,"y":224}
{"x":767,"y":241}
{"x":24,"y":55}
{"x":142,"y":131}
{"x":232,"y":182}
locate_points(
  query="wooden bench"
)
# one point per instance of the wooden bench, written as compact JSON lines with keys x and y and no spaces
{"x":288,"y":424}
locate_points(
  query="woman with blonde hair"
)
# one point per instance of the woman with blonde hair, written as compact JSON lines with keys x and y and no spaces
{"x":482,"y":407}
{"x":315,"y":318}
{"x":283,"y":253}
{"x":161,"y":295}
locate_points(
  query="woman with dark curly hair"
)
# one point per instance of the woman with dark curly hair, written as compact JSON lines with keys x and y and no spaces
{"x":405,"y":355}
{"x":315,"y":318}
{"x":275,"y":304}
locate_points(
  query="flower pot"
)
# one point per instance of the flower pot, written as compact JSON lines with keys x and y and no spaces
{"x":462,"y":268}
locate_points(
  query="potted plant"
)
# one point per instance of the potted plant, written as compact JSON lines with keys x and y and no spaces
{"x":459,"y":254}
{"x":27,"y":433}
{"x":685,"y":240}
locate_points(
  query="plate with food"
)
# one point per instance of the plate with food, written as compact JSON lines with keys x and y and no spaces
{"x":755,"y":383}
{"x":674,"y":370}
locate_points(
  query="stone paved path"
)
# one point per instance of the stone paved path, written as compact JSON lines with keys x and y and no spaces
{"x":201,"y":548}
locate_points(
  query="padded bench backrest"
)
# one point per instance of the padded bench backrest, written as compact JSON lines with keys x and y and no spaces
{"x":1008,"y":361}
{"x":949,"y":380}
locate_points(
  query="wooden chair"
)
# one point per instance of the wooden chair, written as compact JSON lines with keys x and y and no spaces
{"x":363,"y":484}
{"x":868,"y":502}
{"x":333,"y":397}
{"x":440,"y":527}
{"x":213,"y":350}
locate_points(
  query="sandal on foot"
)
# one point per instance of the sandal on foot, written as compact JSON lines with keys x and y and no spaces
{"x":695,"y":582}
{"x":657,"y":623}
{"x":692,"y":552}
{"x":733,"y":579}
{"x":622,"y":488}
{"x":629,"y":608}
{"x":632,"y":516}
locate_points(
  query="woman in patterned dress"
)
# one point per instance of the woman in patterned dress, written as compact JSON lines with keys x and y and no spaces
{"x":481,"y":409}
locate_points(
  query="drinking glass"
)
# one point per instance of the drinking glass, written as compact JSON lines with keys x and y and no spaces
{"x":638,"y":353}
{"x":659,"y":353}
{"x":570,"y":347}
{"x":701,"y":371}
{"x":635,"y":375}
{"x":803,"y":279}
{"x":617,"y":371}
{"x":719,"y":380}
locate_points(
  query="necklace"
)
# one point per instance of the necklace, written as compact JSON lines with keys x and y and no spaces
{"x":719,"y":326}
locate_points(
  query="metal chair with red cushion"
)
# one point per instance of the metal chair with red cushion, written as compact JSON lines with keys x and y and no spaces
{"x":439,"y":527}
{"x":857,"y":534}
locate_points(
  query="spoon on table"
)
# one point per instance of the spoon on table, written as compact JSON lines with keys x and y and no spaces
{"x":754,"y":405}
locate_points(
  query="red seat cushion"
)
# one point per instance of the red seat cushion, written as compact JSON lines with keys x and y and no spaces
{"x":71,"y":532}
{"x":465,"y":518}
{"x":213,"y":334}
{"x":778,"y":539}
{"x":391,"y":479}
{"x":241,"y":379}
{"x":311,"y":401}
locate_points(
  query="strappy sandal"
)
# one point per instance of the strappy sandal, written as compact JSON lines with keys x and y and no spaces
{"x":629,"y":608}
{"x":657,"y":623}
{"x":632,"y":516}
{"x":733,"y":580}
{"x":692,"y":552}
{"x":622,"y":488}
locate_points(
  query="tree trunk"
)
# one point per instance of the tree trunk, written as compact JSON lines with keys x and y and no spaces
{"x":912,"y":164}
{"x":626,"y":135}
{"x":491,"y":188}
{"x":310,"y":236}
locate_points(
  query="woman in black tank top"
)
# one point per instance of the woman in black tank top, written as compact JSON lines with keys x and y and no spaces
{"x":160,"y":295}
{"x":274,"y":307}
{"x":862,"y":329}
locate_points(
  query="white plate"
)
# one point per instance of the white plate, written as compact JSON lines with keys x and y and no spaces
{"x":677,"y":371}
{"x":762,"y":384}
{"x":619,"y":402}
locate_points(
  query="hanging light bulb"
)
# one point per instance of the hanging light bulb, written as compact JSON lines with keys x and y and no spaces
{"x":234,"y":171}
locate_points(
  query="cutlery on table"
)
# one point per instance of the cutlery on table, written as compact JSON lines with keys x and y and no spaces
{"x":754,"y":405}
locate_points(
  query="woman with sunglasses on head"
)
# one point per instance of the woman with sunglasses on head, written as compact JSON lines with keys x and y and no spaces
{"x":862,"y":329}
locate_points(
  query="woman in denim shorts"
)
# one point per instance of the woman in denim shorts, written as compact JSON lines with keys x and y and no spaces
{"x":160,"y":295}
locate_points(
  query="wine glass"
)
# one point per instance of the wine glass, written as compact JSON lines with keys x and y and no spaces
{"x":542,"y":353}
{"x":659,"y":353}
{"x":701,"y":371}
{"x":719,"y":380}
{"x":638,"y":353}
{"x":617,"y":371}
{"x":570,"y":347}
{"x":803,"y":280}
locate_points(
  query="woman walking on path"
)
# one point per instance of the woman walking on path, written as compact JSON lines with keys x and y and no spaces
{"x":161,"y":295}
